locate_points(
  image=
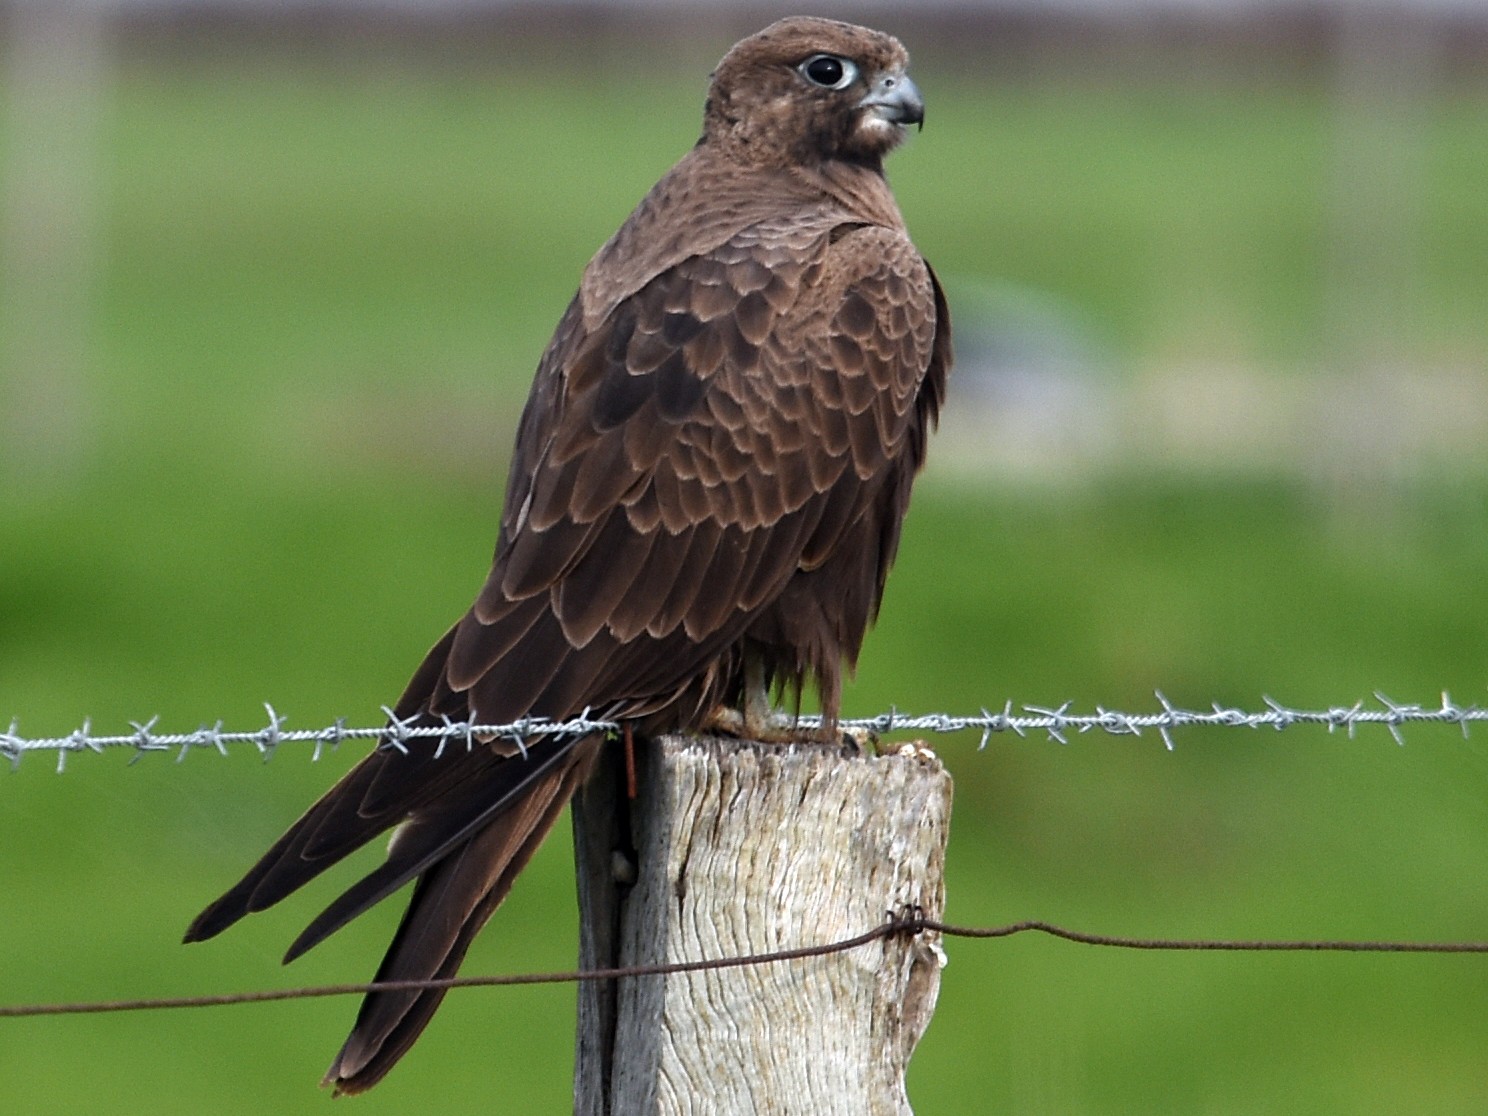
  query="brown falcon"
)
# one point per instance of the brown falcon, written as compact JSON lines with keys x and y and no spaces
{"x":704,"y":501}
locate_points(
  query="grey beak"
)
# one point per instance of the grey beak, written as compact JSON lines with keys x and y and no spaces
{"x":897,"y":99}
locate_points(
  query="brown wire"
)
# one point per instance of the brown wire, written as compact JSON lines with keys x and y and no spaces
{"x":910,"y":924}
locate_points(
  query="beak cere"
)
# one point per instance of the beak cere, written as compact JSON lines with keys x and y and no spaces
{"x":895,"y":99}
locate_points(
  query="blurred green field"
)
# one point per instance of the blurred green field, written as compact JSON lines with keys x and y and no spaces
{"x":322,"y":291}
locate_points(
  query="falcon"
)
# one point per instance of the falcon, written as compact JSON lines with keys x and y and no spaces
{"x":704,"y":501}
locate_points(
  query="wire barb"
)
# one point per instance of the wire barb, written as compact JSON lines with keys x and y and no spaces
{"x":1057,"y":723}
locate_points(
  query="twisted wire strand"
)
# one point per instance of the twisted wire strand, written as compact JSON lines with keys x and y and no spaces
{"x":1056,"y":723}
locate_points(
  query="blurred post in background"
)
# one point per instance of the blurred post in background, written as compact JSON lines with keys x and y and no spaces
{"x":55,"y":85}
{"x":1387,"y":85}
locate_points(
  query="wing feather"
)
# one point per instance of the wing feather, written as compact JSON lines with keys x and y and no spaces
{"x":495,"y":632}
{"x":591,"y":594}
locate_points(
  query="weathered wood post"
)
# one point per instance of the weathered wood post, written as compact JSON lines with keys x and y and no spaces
{"x":734,"y":848}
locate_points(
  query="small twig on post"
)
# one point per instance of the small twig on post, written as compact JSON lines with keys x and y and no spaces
{"x":733,"y":848}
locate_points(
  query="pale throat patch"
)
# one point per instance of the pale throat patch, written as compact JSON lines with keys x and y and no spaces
{"x":871,"y":124}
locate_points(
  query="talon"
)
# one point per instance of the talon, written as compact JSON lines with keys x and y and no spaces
{"x":758,"y":720}
{"x":770,"y":728}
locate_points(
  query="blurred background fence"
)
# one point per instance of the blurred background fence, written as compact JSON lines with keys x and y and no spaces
{"x":273,"y":279}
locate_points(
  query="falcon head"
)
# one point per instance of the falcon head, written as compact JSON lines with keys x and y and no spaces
{"x":806,"y":90}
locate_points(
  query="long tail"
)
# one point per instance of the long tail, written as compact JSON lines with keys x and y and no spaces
{"x":452,"y":901}
{"x":468,"y":824}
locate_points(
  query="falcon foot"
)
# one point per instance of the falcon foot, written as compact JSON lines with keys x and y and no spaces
{"x":781,"y":728}
{"x":765,"y":726}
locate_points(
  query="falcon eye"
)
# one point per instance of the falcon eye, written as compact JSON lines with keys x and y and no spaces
{"x":828,"y":71}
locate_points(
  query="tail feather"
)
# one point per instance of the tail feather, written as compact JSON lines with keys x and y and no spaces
{"x":284,"y":866}
{"x":507,"y":787}
{"x":454,"y":898}
{"x":335,"y":826}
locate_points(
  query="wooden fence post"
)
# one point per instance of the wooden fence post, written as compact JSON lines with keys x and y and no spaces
{"x":735,"y":848}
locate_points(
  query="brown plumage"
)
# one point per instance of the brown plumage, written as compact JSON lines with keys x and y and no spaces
{"x":705,"y":495}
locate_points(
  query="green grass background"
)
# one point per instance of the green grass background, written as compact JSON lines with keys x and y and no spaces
{"x":322,"y":290}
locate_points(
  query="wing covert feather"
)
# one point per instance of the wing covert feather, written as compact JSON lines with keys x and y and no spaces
{"x":715,"y":436}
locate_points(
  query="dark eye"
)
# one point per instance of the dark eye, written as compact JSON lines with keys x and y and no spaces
{"x":828,"y":71}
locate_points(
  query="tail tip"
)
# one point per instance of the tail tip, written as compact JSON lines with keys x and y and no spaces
{"x":206,"y":925}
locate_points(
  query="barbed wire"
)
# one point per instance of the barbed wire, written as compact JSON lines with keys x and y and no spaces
{"x":1057,"y":723}
{"x":909,"y":924}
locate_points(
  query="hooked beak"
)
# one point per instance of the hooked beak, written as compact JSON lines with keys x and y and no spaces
{"x":895,"y":99}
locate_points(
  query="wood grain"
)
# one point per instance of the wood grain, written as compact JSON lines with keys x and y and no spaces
{"x":737,"y":848}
